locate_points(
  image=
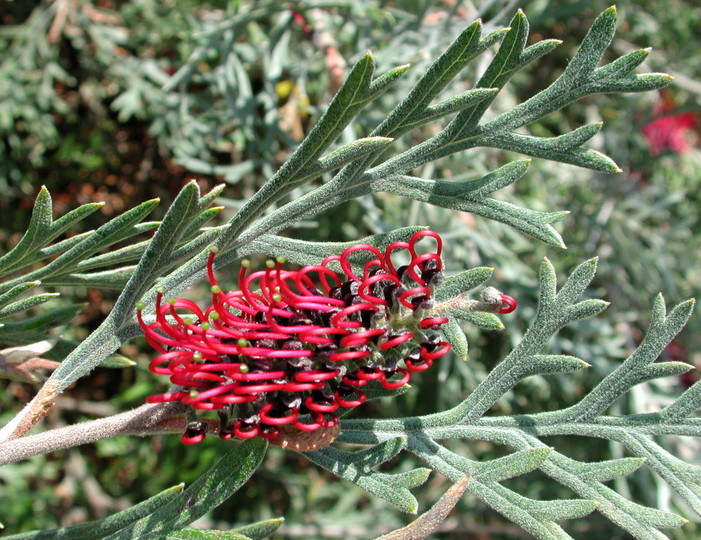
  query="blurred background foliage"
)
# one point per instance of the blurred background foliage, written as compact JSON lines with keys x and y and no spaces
{"x":121,"y":101}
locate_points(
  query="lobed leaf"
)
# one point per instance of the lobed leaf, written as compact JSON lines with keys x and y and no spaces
{"x":356,"y":467}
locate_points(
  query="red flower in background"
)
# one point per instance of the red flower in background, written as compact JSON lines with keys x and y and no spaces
{"x":669,"y":132}
{"x":290,"y":347}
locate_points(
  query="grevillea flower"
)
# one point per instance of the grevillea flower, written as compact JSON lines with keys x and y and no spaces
{"x":669,"y":131}
{"x":286,"y":351}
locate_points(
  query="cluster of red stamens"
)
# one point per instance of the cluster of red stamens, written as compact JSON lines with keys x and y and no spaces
{"x":291,"y":347}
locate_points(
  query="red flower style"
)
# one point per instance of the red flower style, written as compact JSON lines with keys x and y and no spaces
{"x":291,"y":347}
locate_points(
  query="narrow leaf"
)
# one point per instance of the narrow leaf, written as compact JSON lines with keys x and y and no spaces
{"x":554,"y":363}
{"x":463,"y":282}
{"x":26,"y":303}
{"x":456,"y":337}
{"x":261,"y":529}
{"x":513,"y":465}
{"x":207,"y":492}
{"x":107,"y":526}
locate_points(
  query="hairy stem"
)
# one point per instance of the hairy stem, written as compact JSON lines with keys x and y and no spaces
{"x":145,"y":420}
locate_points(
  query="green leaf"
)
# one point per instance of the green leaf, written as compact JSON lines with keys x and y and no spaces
{"x":207,"y":492}
{"x":554,"y":363}
{"x":463,"y":282}
{"x":38,"y":229}
{"x":481,"y":319}
{"x":104,"y":341}
{"x":443,"y":194}
{"x":103,"y":237}
{"x":108,"y":279}
{"x":504,"y":64}
{"x":564,"y":148}
{"x":663,"y":328}
{"x":346,"y":154}
{"x":591,"y":50}
{"x":356,"y":467}
{"x":465,"y":48}
{"x":513,"y":465}
{"x":307,"y":253}
{"x":261,"y":529}
{"x":128,"y":253}
{"x":34,"y":329}
{"x":199,"y":534}
{"x":350,"y":99}
{"x":109,"y":525}
{"x":117,"y":361}
{"x":26,"y":303}
{"x":456,"y":337}
{"x":451,"y":105}
{"x":604,"y":471}
{"x":16,"y":291}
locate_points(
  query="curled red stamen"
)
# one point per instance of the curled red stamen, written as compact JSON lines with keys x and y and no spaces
{"x":246,"y":431}
{"x":362,"y":398}
{"x":393,"y":385}
{"x":265,"y":418}
{"x":326,"y":407}
{"x":509,"y":304}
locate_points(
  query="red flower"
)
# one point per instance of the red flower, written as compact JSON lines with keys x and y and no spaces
{"x":669,"y":131}
{"x":291,"y":347}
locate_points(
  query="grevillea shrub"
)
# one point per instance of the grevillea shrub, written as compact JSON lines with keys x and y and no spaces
{"x":321,"y":328}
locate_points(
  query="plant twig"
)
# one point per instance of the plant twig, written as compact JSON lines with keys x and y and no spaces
{"x":145,"y":420}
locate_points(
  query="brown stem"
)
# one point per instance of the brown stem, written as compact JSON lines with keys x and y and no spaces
{"x":143,"y":421}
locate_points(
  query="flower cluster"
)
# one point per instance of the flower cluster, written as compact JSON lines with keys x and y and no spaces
{"x":291,"y":347}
